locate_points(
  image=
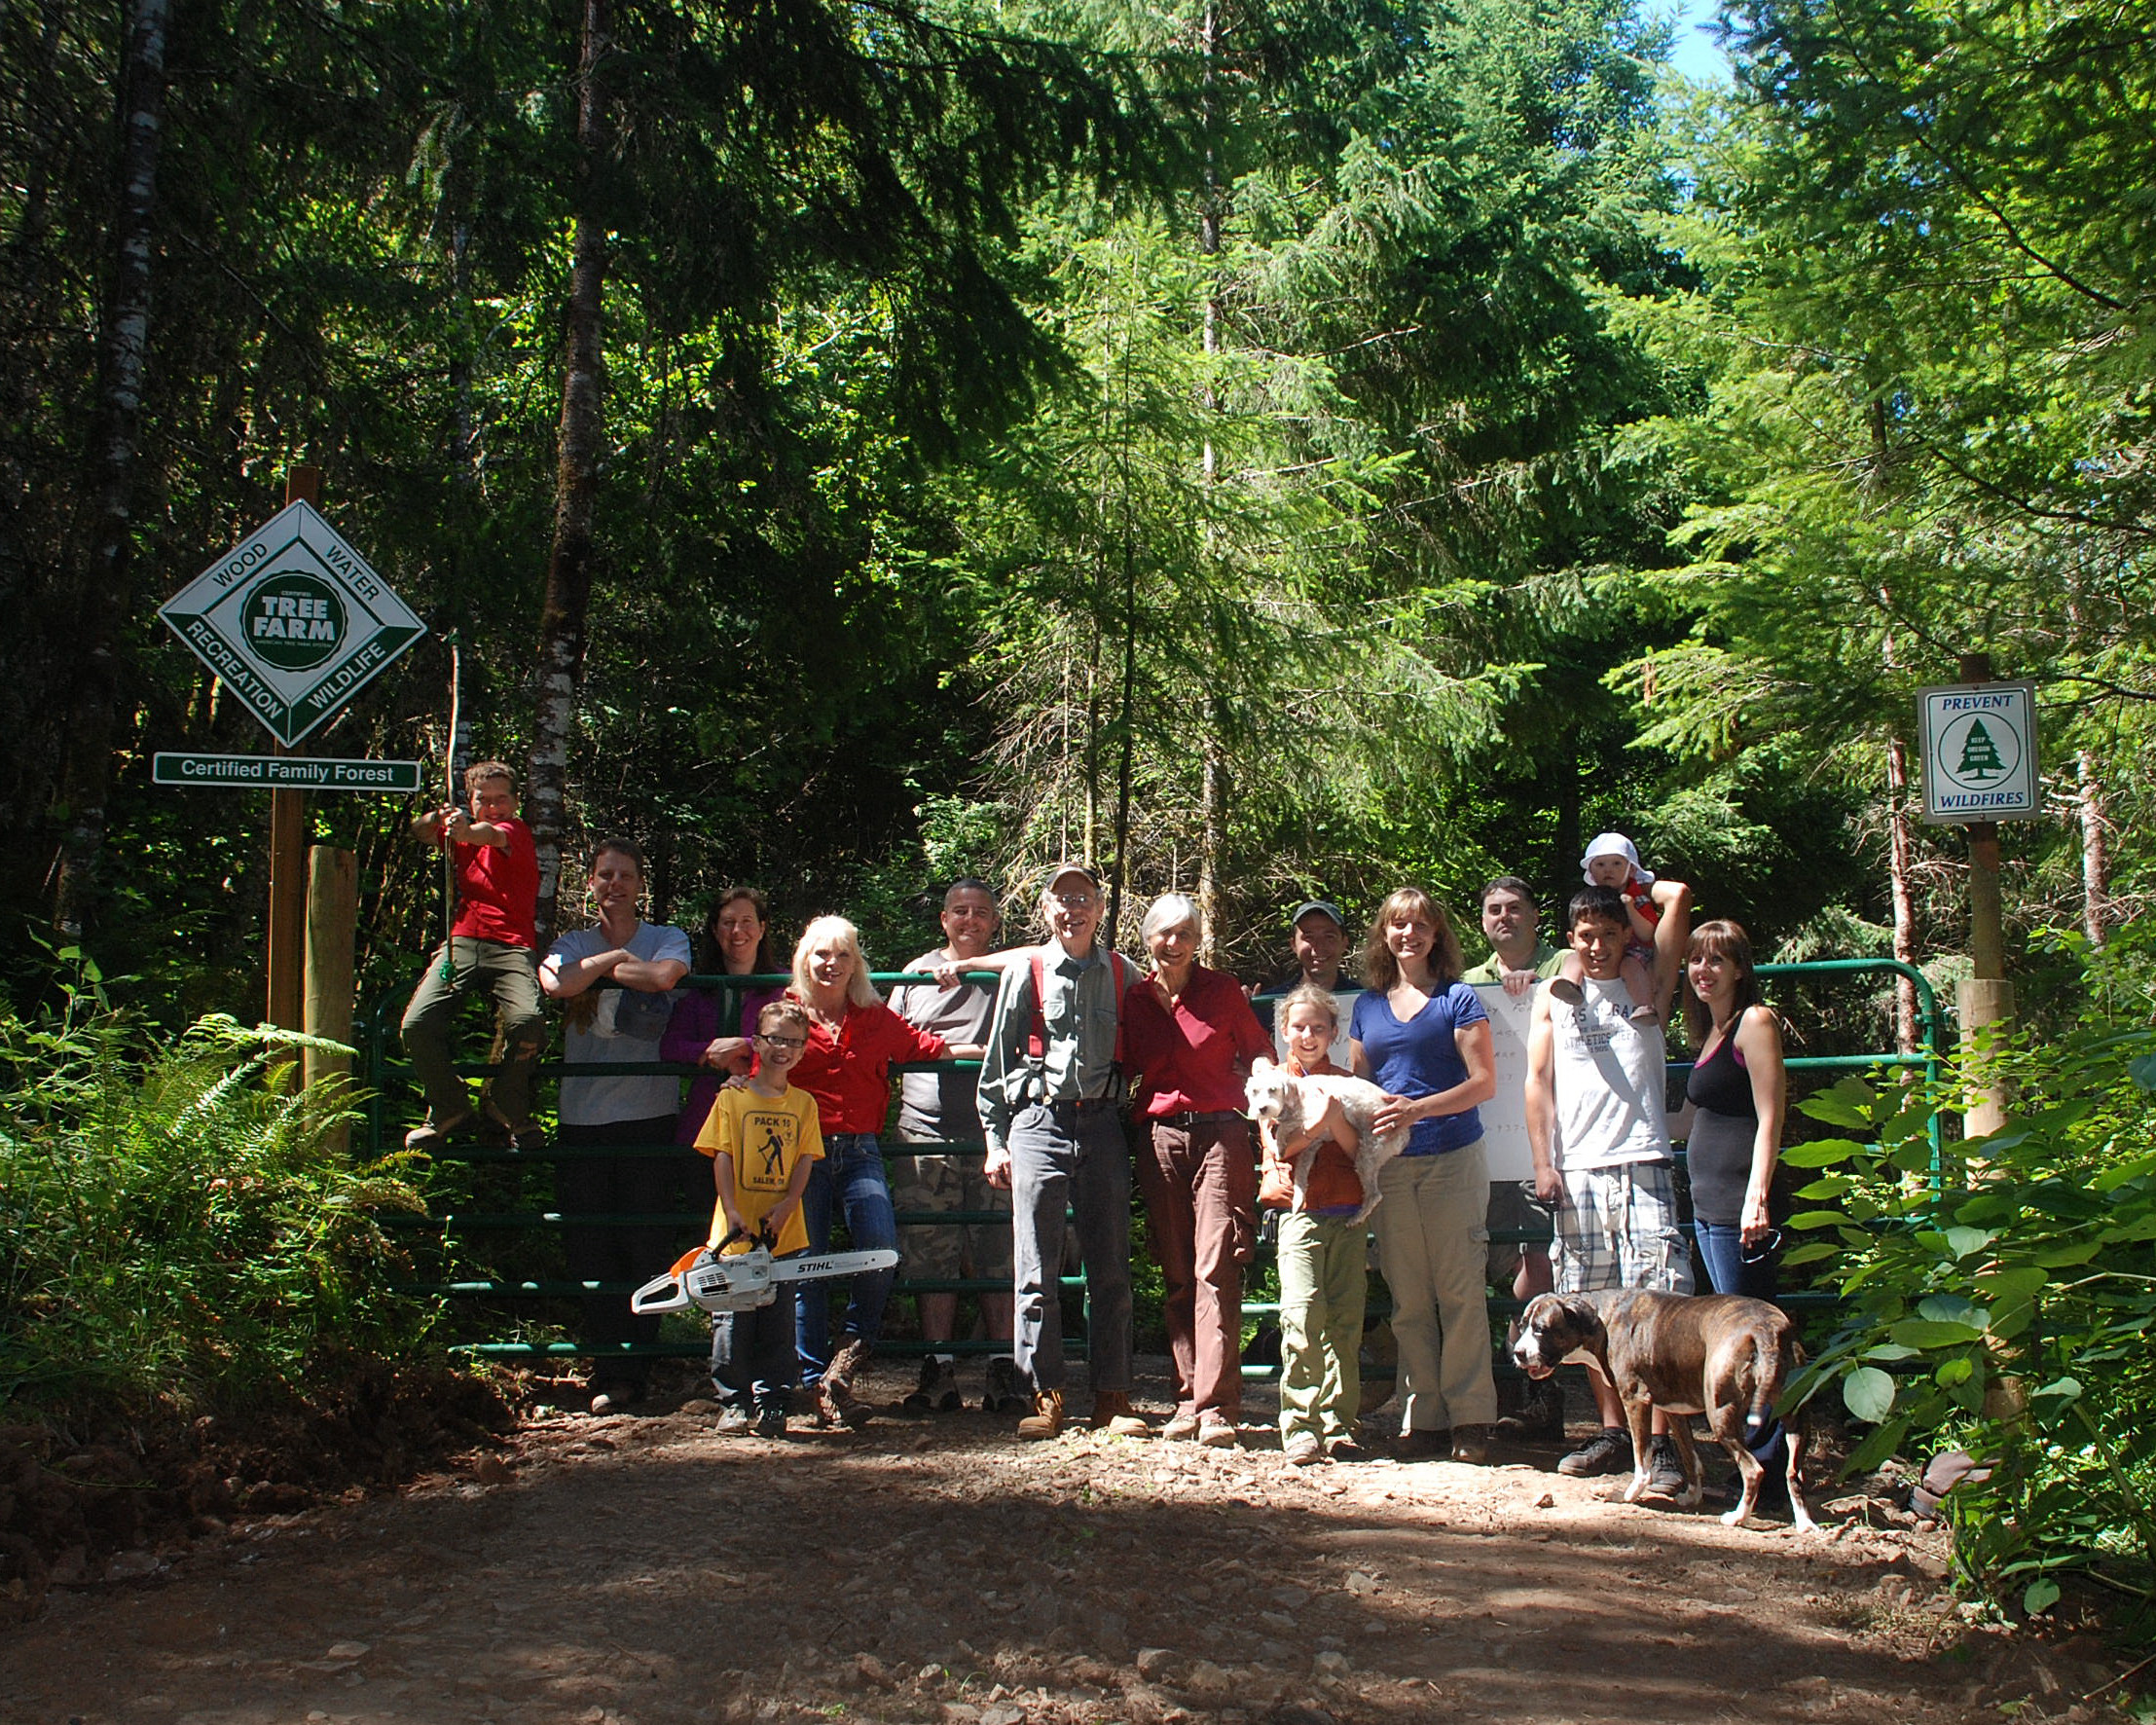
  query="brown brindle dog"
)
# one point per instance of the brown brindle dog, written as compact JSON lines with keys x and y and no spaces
{"x":1717,"y":1354}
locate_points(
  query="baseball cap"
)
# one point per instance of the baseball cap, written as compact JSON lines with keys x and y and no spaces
{"x":1330,"y":908}
{"x":1049,"y":880}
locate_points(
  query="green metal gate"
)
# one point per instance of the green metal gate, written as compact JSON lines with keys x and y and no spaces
{"x":488,"y":1245}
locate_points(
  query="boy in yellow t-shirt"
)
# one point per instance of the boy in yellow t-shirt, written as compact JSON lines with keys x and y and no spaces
{"x":762,"y":1138}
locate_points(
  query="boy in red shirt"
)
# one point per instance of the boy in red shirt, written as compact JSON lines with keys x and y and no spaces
{"x":490,"y":950}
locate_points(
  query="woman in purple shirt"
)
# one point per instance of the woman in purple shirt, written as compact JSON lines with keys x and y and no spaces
{"x":1421,"y":1035}
{"x":704,"y":1032}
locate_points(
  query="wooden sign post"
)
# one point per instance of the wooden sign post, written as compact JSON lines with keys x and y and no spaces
{"x":287,"y":1007}
{"x":1981,"y":766}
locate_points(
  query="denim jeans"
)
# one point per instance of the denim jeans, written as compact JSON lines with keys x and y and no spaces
{"x":753,"y":1361}
{"x":849,"y":1181}
{"x":1722,"y":1248}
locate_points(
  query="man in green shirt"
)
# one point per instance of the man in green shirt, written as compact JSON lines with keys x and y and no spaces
{"x":1519,"y":959}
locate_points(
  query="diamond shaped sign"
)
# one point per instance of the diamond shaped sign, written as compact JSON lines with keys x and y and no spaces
{"x":293,"y":620}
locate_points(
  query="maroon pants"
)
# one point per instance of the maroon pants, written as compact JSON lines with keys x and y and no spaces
{"x":1200,"y":1184}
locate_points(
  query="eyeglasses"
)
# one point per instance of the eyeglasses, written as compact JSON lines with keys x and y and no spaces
{"x":783,"y":1041}
{"x":1075,"y":900}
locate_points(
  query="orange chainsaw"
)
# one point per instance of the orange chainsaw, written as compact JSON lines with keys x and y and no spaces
{"x":706,"y":1280}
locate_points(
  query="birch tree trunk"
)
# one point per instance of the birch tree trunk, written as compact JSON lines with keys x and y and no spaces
{"x":2096,"y":850}
{"x":115,"y":457}
{"x":568,"y":574}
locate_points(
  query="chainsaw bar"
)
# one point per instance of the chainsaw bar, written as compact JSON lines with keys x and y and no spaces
{"x":747,"y":1279}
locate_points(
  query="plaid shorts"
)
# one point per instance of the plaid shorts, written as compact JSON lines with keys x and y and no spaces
{"x":949,"y":1251}
{"x":1617,"y":1228}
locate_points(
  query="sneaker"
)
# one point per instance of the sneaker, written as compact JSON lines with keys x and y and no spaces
{"x":614,"y":1398}
{"x":1471,"y":1444}
{"x":1216,"y":1431}
{"x":733,"y":1421}
{"x":835,"y":1394}
{"x":1002,"y":1394}
{"x":1113,"y":1415}
{"x":500,"y":1129}
{"x":431,"y":1134}
{"x":771,"y":1423}
{"x":1423,"y":1446}
{"x":1665,"y":1476}
{"x":1303,"y":1449}
{"x":1181,"y":1429}
{"x":1563,"y":988}
{"x":1047,"y":1418}
{"x":937,"y":1391}
{"x":1608,"y":1451}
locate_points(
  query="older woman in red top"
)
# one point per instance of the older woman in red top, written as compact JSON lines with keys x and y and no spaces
{"x":854,"y":1039}
{"x":1190,"y":1031}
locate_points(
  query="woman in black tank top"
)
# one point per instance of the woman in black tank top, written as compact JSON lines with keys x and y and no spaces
{"x":1737,"y":1095}
{"x":1735,"y":1101}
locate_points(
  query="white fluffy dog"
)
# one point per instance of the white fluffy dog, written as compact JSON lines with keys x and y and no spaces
{"x":1293,"y":1106}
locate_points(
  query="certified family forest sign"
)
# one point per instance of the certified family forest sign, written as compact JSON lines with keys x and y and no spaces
{"x":293,"y":620}
{"x":1980,"y":752}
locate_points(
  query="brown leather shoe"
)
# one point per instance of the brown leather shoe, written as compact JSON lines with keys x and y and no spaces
{"x":1047,"y":1418}
{"x":1113,"y":1415}
{"x":835,"y":1395}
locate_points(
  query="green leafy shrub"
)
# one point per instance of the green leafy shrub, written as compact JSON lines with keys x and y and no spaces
{"x":2004,"y":1302}
{"x":176,"y":1231}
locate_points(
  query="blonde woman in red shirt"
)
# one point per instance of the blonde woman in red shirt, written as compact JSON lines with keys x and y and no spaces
{"x":854,"y":1039}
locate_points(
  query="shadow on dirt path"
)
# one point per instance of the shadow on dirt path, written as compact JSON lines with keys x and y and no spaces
{"x":647,"y":1572}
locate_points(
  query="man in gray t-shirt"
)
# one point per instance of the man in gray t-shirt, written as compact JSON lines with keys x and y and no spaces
{"x":940,"y":1108}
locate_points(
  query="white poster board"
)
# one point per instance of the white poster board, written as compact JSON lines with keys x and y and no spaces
{"x":1505,"y":1115}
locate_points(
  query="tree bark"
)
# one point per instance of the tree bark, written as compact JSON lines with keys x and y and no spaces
{"x":1900,"y":873}
{"x":115,"y":457}
{"x":2096,"y":850}
{"x":568,"y":574}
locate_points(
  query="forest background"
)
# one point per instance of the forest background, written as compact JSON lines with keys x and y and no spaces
{"x":1272,"y":449}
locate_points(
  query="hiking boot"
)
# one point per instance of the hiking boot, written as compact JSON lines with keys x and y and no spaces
{"x":1113,"y":1415}
{"x":1540,"y":1413}
{"x":733,"y":1422}
{"x":835,"y":1394}
{"x":1665,"y":1477}
{"x":1047,"y":1418}
{"x":431,"y":1134}
{"x":1608,"y":1451}
{"x":1181,"y":1429}
{"x":1216,"y":1431}
{"x":1423,"y":1446}
{"x":771,"y":1423}
{"x":937,"y":1391}
{"x":1002,"y":1394}
{"x":1471,"y":1444}
{"x":1302,"y":1450}
{"x":1345,"y":1449}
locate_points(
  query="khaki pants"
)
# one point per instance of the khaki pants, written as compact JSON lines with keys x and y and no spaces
{"x":509,"y":977}
{"x":1433,"y":1243}
{"x":1323,"y":1279}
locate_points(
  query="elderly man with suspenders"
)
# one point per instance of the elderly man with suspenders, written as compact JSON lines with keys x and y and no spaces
{"x":1050,"y":1095}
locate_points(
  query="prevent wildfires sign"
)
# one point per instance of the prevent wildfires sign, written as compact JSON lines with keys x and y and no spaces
{"x":293,"y":620}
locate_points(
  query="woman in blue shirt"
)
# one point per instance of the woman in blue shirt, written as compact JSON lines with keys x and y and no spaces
{"x":1421,"y":1036}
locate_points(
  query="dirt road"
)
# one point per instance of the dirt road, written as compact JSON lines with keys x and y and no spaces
{"x":642,"y":1572}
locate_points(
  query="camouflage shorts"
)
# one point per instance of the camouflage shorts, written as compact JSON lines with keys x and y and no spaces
{"x":941,"y":1183}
